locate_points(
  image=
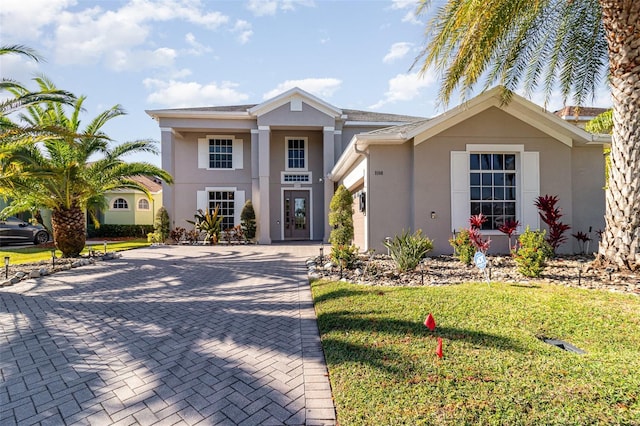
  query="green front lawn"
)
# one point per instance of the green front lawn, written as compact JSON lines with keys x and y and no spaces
{"x":38,"y":253}
{"x":495,"y":370}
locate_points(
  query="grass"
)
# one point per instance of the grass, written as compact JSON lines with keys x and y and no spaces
{"x":495,"y":370}
{"x":37,"y":254}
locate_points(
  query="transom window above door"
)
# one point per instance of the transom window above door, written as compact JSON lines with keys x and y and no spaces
{"x":296,"y":154}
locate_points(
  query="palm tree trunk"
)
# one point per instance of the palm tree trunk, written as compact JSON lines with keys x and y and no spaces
{"x":620,"y":245}
{"x":69,"y":230}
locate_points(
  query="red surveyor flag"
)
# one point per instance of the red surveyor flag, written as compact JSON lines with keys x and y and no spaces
{"x":430,"y":323}
{"x":439,"y":348}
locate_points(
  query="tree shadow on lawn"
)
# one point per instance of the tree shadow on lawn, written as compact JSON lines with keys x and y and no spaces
{"x":347,"y":321}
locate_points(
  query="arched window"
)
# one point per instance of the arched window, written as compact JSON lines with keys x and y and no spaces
{"x":120,"y":204}
{"x":143,"y":204}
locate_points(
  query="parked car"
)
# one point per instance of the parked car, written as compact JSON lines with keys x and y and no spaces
{"x":14,"y":230}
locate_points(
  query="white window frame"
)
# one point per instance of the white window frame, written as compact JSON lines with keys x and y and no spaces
{"x":306,"y":153}
{"x":144,"y":208}
{"x":527,"y":184}
{"x":237,"y":154}
{"x":202,"y":200}
{"x":120,"y":209}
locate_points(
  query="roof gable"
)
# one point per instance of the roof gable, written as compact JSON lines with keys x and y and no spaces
{"x":295,"y":97}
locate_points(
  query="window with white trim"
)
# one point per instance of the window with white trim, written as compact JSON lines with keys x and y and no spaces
{"x":220,"y":152}
{"x":492,"y":187}
{"x":225,"y":200}
{"x":120,"y":204}
{"x":296,"y":154}
{"x":143,"y":204}
{"x":501,"y":181}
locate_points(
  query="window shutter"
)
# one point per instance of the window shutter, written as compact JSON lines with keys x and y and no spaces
{"x":460,"y":208}
{"x":237,"y":154}
{"x":238,"y":196}
{"x":530,"y":190}
{"x":203,"y":153}
{"x":202,"y":200}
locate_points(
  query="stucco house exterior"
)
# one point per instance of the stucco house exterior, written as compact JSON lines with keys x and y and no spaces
{"x":132,"y":207}
{"x":289,"y":153}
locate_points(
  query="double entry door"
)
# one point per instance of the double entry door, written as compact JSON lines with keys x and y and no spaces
{"x":296,"y":215}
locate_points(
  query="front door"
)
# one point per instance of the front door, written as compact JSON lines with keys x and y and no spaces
{"x":296,"y":215}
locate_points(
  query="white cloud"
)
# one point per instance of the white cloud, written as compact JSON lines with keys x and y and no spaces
{"x":25,"y":20}
{"x":405,"y":87}
{"x":183,"y":94}
{"x":244,"y":29}
{"x":403,"y":4}
{"x":411,"y":18}
{"x":397,"y":51}
{"x":321,"y":87}
{"x":197,"y":48}
{"x":271,"y":7}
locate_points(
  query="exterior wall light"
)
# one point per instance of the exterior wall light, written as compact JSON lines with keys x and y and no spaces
{"x":433,"y":215}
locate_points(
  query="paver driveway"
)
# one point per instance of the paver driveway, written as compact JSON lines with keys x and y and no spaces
{"x":166,"y":335}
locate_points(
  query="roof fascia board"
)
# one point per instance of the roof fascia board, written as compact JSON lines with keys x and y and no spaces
{"x":167,"y":113}
{"x":374,"y":123}
{"x":294,"y":93}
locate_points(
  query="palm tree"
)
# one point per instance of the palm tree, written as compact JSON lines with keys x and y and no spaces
{"x":61,"y":172}
{"x":548,"y":45}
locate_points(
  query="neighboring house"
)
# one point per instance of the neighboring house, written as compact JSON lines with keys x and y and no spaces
{"x":579,"y":115}
{"x":133,"y":207}
{"x":406,"y":173}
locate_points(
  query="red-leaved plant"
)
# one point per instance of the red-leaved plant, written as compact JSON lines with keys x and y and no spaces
{"x":474,"y":233}
{"x":550,"y":214}
{"x":509,"y":227}
{"x":583,"y":238}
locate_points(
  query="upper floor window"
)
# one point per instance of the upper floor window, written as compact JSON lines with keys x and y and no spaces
{"x":296,"y":154}
{"x":120,"y":204}
{"x":492,"y":190}
{"x":220,"y":152}
{"x":143,"y":204}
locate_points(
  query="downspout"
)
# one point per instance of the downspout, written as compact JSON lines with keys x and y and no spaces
{"x":366,"y":187}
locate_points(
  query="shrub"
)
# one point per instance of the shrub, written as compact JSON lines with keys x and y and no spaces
{"x":345,"y":255}
{"x":177,"y":234}
{"x":192,"y":236}
{"x":208,"y":222}
{"x":474,"y":233}
{"x":341,"y":217}
{"x":115,"y":231}
{"x":407,"y":250}
{"x":248,"y":220}
{"x":463,"y":248}
{"x":509,"y":228}
{"x":532,"y":253}
{"x":550,"y":214}
{"x":161,"y":224}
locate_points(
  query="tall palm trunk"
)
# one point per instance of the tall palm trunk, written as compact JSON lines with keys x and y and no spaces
{"x":69,"y":230}
{"x":621,"y":240}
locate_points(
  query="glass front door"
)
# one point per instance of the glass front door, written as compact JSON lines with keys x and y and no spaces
{"x":296,"y":215}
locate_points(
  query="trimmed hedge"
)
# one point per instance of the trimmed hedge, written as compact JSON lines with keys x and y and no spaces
{"x":138,"y":231}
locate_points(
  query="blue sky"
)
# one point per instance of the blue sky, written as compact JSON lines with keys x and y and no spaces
{"x":146,"y":54}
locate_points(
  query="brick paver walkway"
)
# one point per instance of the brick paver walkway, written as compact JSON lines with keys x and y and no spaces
{"x":166,"y":335}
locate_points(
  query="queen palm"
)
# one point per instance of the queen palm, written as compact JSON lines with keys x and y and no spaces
{"x":71,"y":170}
{"x":551,"y":45}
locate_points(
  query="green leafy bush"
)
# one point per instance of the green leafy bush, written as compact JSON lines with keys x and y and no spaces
{"x":343,"y":254}
{"x":407,"y":250}
{"x":248,"y":220}
{"x":208,"y":222}
{"x":341,"y":217}
{"x":162,"y":225}
{"x":463,"y":248}
{"x":532,"y":253}
{"x":114,"y":231}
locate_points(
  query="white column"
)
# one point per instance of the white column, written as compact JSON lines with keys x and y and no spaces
{"x":264,"y":221}
{"x":255,"y":179}
{"x":167,"y":152}
{"x":328,"y":160}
